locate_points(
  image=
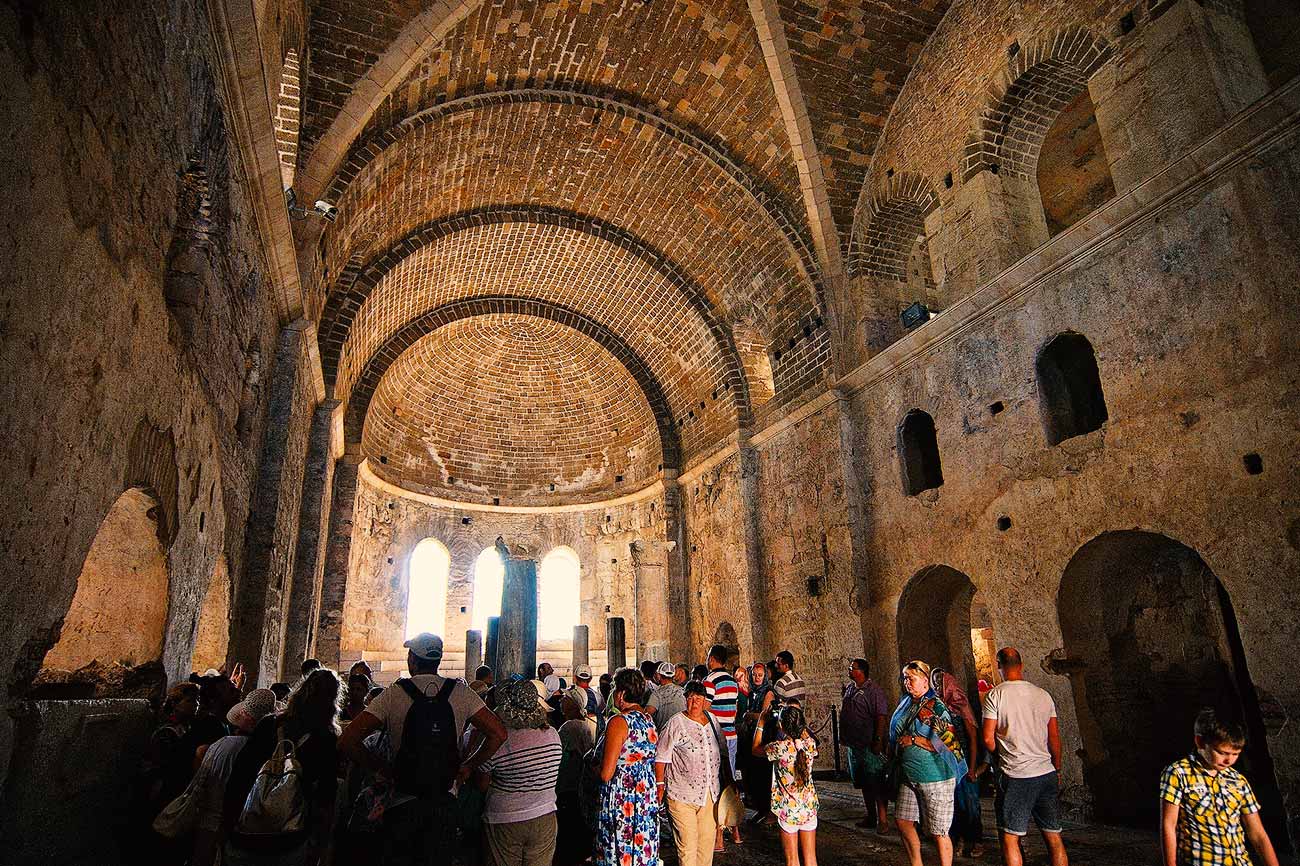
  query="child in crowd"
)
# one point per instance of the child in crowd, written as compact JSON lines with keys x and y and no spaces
{"x":794,"y":798}
{"x":1208,"y":810}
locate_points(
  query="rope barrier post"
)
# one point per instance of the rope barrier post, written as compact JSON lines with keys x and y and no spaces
{"x":835,"y":738}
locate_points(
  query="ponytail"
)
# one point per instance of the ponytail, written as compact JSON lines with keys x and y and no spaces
{"x":795,"y":726}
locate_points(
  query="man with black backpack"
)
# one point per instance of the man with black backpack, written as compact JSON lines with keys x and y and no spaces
{"x":424,"y":716}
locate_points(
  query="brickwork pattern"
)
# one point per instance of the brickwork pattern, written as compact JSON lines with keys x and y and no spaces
{"x":288,"y":117}
{"x":892,"y":221}
{"x":617,"y":292}
{"x":852,"y":58}
{"x":513,"y":408}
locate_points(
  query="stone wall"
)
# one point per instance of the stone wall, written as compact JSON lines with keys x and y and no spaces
{"x":134,"y":296}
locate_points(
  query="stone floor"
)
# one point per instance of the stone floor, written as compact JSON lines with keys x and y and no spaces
{"x":839,"y":841}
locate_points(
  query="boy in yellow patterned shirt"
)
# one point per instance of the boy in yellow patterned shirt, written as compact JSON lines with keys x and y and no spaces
{"x":1207,"y":809}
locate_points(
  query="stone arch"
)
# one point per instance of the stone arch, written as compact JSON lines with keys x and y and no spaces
{"x":934,"y":622}
{"x":1150,"y":637}
{"x":1070,"y":396}
{"x":918,"y":453}
{"x":488,"y":575}
{"x":363,"y":391}
{"x":151,"y":466}
{"x":1039,"y":81}
{"x":212,"y":634}
{"x":359,"y":280}
{"x":118,"y":613}
{"x":888,"y":224}
{"x":363,"y":151}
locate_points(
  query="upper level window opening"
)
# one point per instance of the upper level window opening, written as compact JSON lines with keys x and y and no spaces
{"x":559,"y":594}
{"x":1069,"y":388}
{"x":489,"y":581}
{"x":918,"y":453}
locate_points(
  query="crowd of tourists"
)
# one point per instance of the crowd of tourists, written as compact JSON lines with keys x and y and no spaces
{"x":541,"y":772}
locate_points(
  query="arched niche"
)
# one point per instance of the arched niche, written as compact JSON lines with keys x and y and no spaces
{"x":918,"y":453}
{"x":428,"y":569}
{"x":934,"y":622}
{"x":1070,"y":397}
{"x":726,"y":636}
{"x":119,"y":610}
{"x":1073,"y":170}
{"x":212,"y":637}
{"x":1150,"y":638}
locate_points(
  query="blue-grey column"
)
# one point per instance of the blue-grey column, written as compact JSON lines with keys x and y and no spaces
{"x":517,"y":642}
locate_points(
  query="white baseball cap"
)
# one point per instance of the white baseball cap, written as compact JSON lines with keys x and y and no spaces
{"x":583,"y":672}
{"x":426,"y":646}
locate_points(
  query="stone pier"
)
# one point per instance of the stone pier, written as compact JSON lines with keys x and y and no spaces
{"x":517,"y":641}
{"x":581,"y":647}
{"x":473,"y":652}
{"x":615,"y":643}
{"x":493,"y":639}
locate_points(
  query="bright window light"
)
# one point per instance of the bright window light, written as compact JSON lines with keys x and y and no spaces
{"x":426,"y":596}
{"x":489,"y":579}
{"x":559,"y":595}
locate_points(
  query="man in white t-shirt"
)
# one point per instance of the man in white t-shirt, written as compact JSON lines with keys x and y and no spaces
{"x":419,"y":827}
{"x":1020,"y":725}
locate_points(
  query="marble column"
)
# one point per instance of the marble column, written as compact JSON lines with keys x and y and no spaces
{"x":473,"y":652}
{"x":581,"y":647}
{"x":615,"y":643}
{"x":493,"y":635}
{"x":517,"y":641}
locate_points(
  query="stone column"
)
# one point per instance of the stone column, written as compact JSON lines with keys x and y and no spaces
{"x":615,"y":643}
{"x":270,"y":542}
{"x":517,"y":642}
{"x":581,"y":648}
{"x":493,"y":641}
{"x":1193,"y":68}
{"x":313,"y":533}
{"x":338,"y":553}
{"x":755,"y":591}
{"x":473,"y":652}
{"x":678,"y":585}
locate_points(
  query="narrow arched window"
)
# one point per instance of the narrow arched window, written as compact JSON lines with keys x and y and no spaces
{"x":489,"y":580}
{"x":918,"y":453}
{"x":559,"y":595}
{"x":1069,"y":388}
{"x":426,"y":596}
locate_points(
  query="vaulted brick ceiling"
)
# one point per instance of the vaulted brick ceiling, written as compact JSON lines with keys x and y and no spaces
{"x":620,"y":169}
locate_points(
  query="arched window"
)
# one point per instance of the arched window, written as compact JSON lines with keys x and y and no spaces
{"x":1069,"y":388}
{"x":489,"y":580}
{"x":426,"y":593}
{"x":918,"y":453}
{"x":559,"y":595}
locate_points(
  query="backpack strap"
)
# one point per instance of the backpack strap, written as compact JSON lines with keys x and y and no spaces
{"x":411,"y":689}
{"x":444,"y":693}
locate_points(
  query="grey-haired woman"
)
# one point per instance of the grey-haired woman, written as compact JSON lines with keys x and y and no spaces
{"x":520,"y":779}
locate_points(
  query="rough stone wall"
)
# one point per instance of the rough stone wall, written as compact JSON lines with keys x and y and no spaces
{"x":1195,"y":344}
{"x":96,"y":139}
{"x":388,"y":526}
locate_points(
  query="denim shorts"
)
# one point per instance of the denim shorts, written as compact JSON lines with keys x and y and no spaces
{"x":1019,"y":800}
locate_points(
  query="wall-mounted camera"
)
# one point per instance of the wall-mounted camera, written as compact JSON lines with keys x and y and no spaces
{"x":322,"y":209}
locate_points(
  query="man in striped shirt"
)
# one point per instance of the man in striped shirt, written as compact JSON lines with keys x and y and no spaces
{"x":790,"y":687}
{"x":723,"y":692}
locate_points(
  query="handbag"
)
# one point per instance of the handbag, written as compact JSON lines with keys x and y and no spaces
{"x":276,"y":804}
{"x":179,"y":817}
{"x":729,"y":810}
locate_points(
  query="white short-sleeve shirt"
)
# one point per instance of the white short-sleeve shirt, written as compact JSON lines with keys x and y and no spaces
{"x":1022,"y":711}
{"x":393,"y":704}
{"x":690,"y":750}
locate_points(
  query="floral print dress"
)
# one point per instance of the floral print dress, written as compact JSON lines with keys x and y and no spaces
{"x":627,"y":827}
{"x":794,"y":805}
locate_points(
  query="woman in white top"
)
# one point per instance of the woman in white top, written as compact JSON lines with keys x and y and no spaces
{"x":690,"y":774}
{"x":520,"y":778}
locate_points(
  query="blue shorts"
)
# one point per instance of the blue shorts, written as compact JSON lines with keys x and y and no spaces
{"x":1019,"y":800}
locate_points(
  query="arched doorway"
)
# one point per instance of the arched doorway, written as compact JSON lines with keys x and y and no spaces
{"x":120,"y":607}
{"x":212,"y":637}
{"x":426,"y":590}
{"x":726,"y":636}
{"x":1151,"y":638}
{"x":934,"y":623}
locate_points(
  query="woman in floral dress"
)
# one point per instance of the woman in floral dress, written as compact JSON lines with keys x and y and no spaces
{"x":627,"y":825}
{"x":794,"y":799}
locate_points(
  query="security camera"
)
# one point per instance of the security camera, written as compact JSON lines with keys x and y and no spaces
{"x":327,"y":210}
{"x":290,"y":198}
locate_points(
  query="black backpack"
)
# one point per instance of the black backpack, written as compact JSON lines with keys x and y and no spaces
{"x":429,"y":757}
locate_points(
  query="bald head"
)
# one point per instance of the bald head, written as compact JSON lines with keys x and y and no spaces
{"x":1009,"y":659}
